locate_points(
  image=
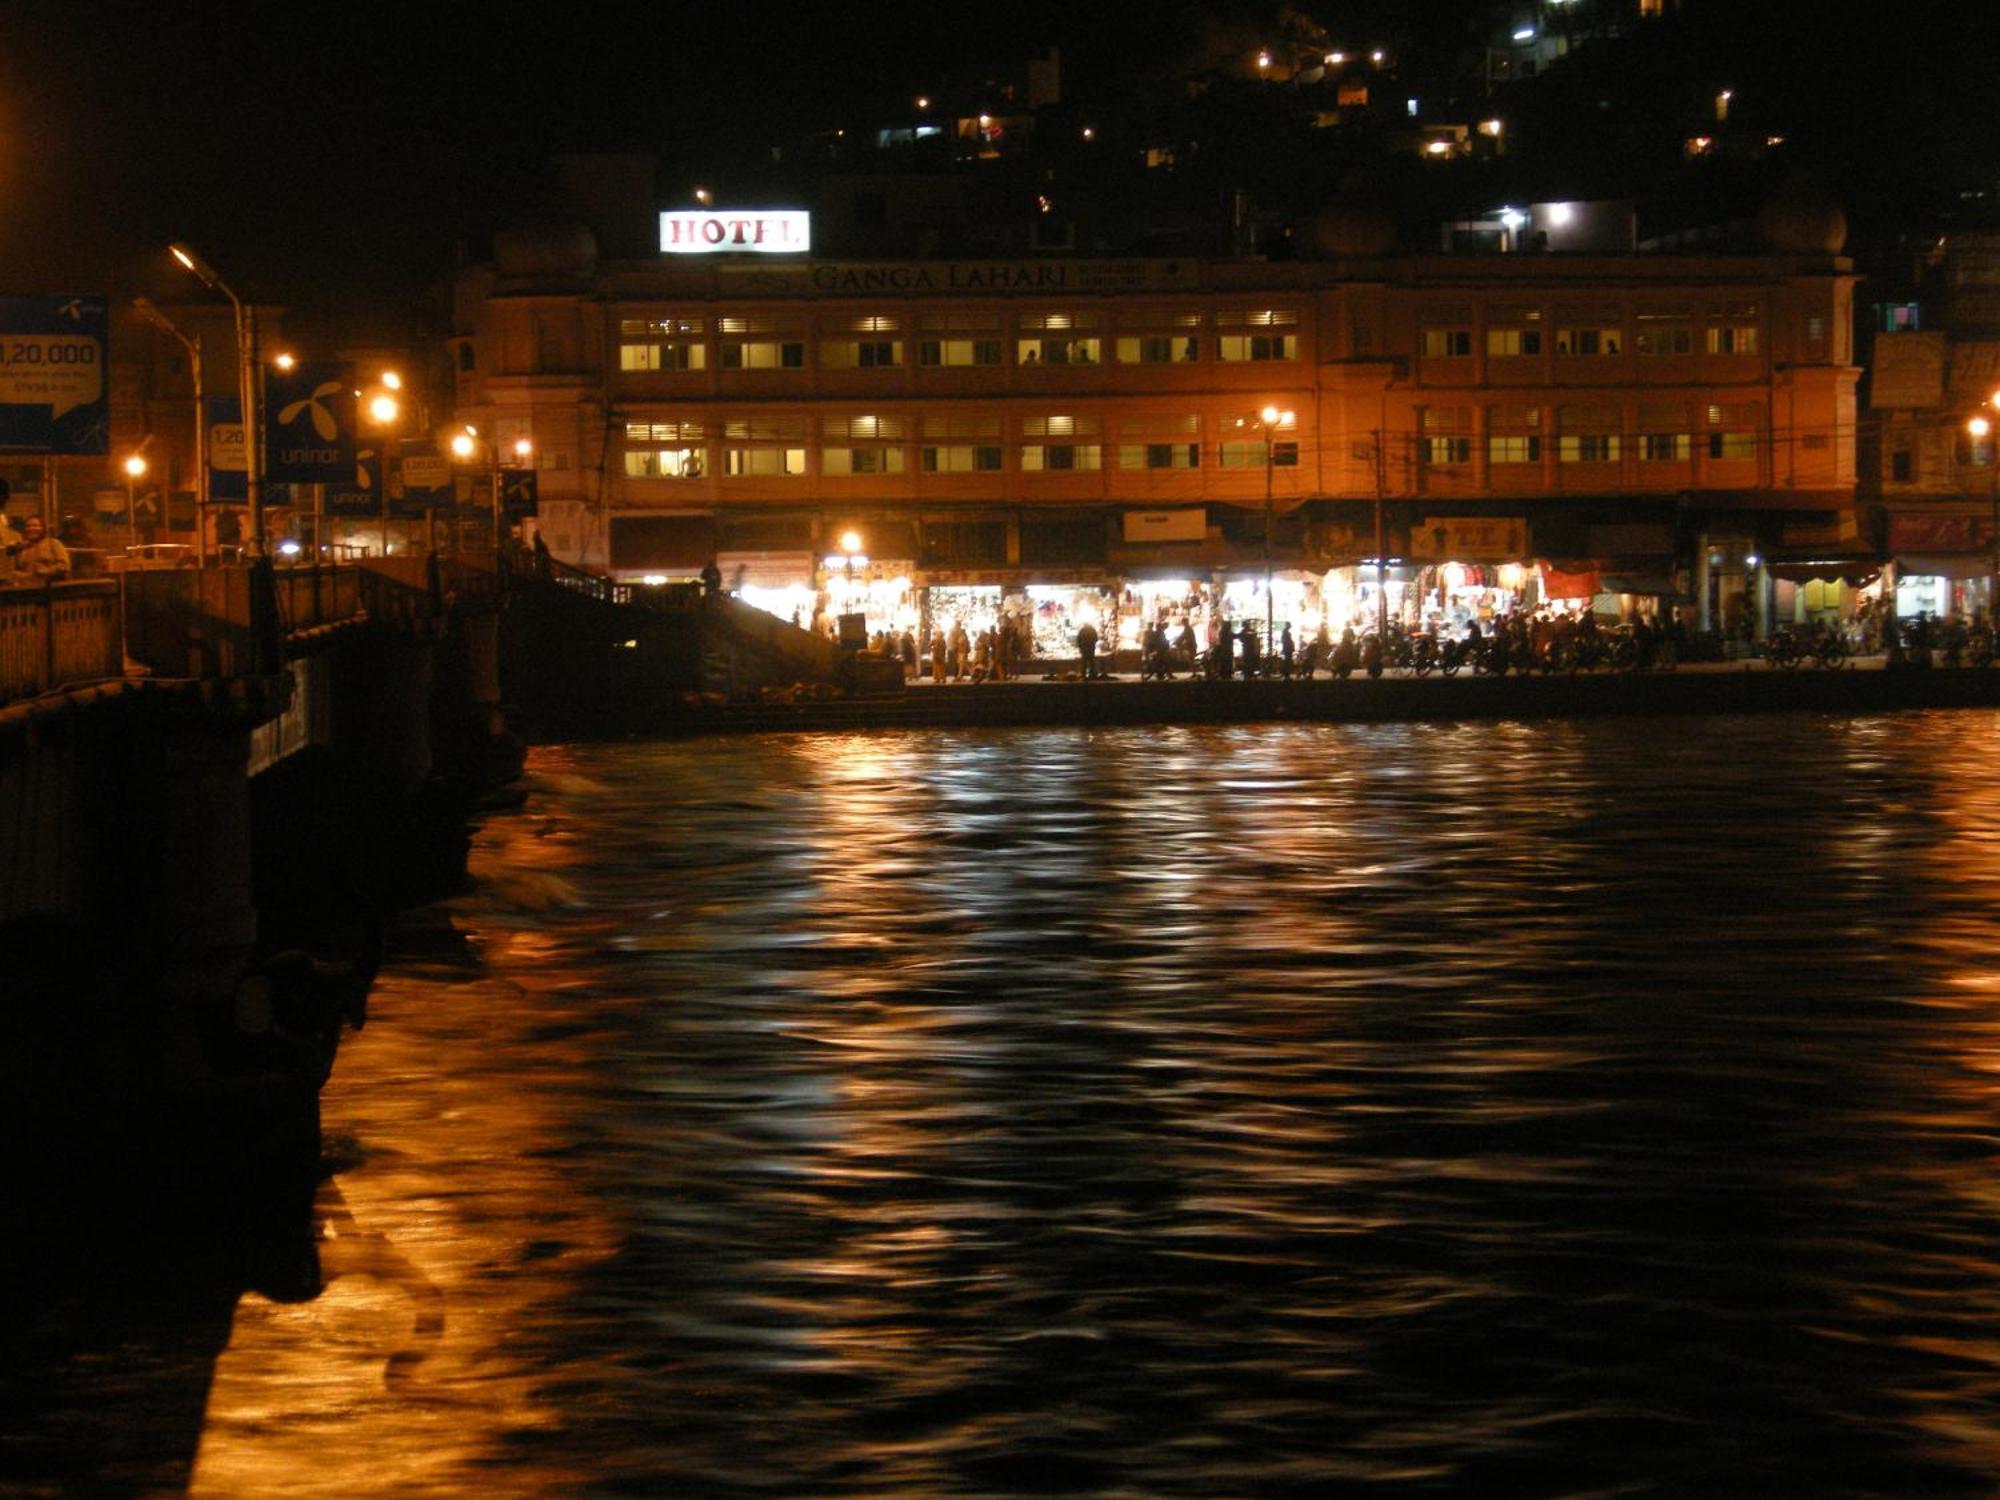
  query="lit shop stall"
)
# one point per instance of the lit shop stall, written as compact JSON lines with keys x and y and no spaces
{"x":976,"y":606}
{"x":881,"y":592}
{"x":1469,"y":568}
{"x":1058,"y":610}
{"x":1173,"y":601}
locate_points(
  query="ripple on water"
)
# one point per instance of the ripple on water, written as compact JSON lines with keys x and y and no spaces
{"x":1565,"y":1108}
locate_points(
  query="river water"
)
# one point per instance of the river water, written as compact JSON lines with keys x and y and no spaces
{"x":1583,"y":1108}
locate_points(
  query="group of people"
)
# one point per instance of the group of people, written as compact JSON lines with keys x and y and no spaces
{"x":953,"y":655}
{"x":31,"y":555}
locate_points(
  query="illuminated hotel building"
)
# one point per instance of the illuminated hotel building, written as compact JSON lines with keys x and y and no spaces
{"x":1649,"y":422}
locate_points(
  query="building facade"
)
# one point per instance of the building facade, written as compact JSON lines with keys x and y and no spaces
{"x":1627,"y":424}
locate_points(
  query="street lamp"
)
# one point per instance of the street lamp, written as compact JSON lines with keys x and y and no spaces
{"x":166,"y":325}
{"x":135,"y":469}
{"x":1980,"y":427}
{"x":246,"y":376}
{"x":1271,"y":419}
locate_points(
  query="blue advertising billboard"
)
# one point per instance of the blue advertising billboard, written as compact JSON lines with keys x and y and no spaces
{"x":228,"y":481}
{"x":360,"y":493}
{"x":308,"y":421}
{"x":53,"y":358}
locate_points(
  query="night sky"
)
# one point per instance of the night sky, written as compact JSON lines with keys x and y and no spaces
{"x":314,"y":150}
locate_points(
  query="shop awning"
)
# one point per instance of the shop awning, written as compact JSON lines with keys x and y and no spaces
{"x":1646,"y":585}
{"x":1569,"y":580}
{"x":1953,"y":565}
{"x":1854,"y":571}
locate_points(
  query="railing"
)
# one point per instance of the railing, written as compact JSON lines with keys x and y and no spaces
{"x":59,"y":634}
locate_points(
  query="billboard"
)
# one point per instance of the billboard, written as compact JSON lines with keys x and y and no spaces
{"x":53,"y":355}
{"x":309,"y":424}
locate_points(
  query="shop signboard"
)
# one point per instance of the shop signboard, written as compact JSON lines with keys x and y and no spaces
{"x":309,"y":424}
{"x":52,"y":360}
{"x":1186,"y":524}
{"x":1469,"y":539}
{"x":1938,"y":533}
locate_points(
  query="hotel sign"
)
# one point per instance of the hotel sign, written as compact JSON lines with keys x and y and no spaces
{"x":746,"y":231}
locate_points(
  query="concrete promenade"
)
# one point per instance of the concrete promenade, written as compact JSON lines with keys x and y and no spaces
{"x":1864,"y":687}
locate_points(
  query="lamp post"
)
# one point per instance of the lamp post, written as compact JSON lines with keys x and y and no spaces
{"x":1271,"y":420}
{"x":135,"y":469}
{"x":246,"y":377}
{"x":384,"y":411}
{"x":167,"y":326}
{"x":524,"y":450}
{"x":1979,"y":428}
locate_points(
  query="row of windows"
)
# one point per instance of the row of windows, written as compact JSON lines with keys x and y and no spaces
{"x":775,"y":461}
{"x":1589,"y":448}
{"x":962,"y":321}
{"x":872,"y":354}
{"x":1584,"y":342}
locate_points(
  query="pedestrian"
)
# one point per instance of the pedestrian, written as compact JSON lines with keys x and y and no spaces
{"x":961,"y":650}
{"x":1287,"y":649}
{"x":1225,"y":651}
{"x":1252,"y":649}
{"x":909,"y":654}
{"x":939,"y":646}
{"x":39,"y":557}
{"x":711,"y":577}
{"x":1086,"y":648}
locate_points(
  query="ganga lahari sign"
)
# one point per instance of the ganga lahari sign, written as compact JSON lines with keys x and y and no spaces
{"x":738,"y":231}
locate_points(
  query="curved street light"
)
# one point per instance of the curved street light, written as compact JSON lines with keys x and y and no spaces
{"x":246,"y":376}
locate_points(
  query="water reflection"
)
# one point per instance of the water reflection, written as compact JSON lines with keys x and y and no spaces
{"x":1583,"y":1108}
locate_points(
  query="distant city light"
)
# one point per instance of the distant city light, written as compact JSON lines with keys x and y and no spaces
{"x":703,"y":196}
{"x":1090,"y":132}
{"x":923,"y":101}
{"x":392,"y":380}
{"x":290,"y":548}
{"x":1513,"y":218}
{"x":1411,"y":106}
{"x":1335,"y":59}
{"x":461,"y":445}
{"x":522,"y":447}
{"x":1560,"y":214}
{"x":1376,"y":56}
{"x":1438,"y":148}
{"x":284,"y":361}
{"x":384,"y":409}
{"x":1490,"y":127}
{"x":1524,"y":33}
{"x":1263,"y":59}
{"x":135,"y":466}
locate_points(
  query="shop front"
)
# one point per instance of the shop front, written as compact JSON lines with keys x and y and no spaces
{"x":1465,"y":569}
{"x":779,"y":583}
{"x":881,"y":591}
{"x":1944,"y":564}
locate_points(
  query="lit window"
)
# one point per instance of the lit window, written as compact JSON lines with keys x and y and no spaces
{"x":1507,"y":343}
{"x":1587,"y":341}
{"x":1588,"y":448}
{"x":1735,"y":338}
{"x":1665,"y":447}
{"x":1514,"y":448}
{"x":1447,"y":343}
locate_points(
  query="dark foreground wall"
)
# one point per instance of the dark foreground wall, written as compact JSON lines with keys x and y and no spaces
{"x":1755,"y":690}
